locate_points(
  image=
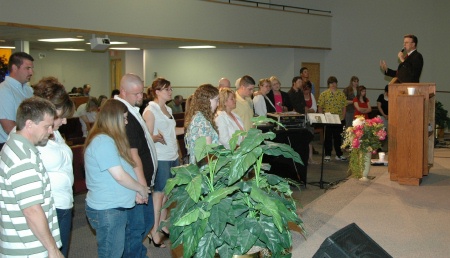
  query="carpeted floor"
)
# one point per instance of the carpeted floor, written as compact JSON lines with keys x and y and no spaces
{"x":406,"y":221}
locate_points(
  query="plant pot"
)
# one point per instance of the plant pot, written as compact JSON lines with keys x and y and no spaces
{"x":366,"y":169}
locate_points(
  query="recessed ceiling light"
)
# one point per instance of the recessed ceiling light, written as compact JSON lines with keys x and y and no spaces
{"x":70,"y":49}
{"x":8,"y":47}
{"x":124,"y":48}
{"x":118,"y":43}
{"x":196,"y":47}
{"x":61,"y":40}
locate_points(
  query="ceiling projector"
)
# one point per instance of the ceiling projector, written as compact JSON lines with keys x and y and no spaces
{"x":100,"y":44}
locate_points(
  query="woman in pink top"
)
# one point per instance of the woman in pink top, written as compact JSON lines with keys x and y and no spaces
{"x":278,"y":97}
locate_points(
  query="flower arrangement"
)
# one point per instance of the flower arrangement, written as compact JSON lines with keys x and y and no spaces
{"x":364,"y":136}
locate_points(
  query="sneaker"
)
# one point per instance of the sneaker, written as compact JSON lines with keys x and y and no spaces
{"x":341,"y":158}
{"x":327,"y":158}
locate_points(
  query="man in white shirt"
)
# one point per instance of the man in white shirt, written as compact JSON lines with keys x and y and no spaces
{"x":13,"y":90}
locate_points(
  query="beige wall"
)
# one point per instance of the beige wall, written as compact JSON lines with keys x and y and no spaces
{"x":187,"y":19}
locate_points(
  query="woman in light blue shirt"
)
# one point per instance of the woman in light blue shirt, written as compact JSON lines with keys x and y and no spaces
{"x":110,"y":178}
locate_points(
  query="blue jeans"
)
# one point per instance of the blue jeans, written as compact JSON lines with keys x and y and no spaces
{"x":163,"y":174}
{"x":139,"y":222}
{"x":65,"y":225}
{"x":110,"y":230}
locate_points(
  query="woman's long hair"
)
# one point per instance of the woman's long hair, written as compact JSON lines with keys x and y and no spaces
{"x":201,"y":103}
{"x":358,"y":94}
{"x":110,"y":121}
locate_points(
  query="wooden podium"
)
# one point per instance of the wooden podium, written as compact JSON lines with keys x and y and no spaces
{"x":411,"y":143}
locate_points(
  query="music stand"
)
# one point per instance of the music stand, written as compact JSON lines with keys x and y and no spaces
{"x":321,"y":183}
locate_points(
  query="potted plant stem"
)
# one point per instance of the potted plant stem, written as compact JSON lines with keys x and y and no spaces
{"x":219,"y":208}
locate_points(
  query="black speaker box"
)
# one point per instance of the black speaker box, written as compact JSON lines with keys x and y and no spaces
{"x":350,"y":241}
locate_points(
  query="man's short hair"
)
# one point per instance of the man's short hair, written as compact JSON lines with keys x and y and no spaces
{"x":414,"y":38}
{"x":33,"y":109}
{"x":17,"y":59}
{"x":115,"y":92}
{"x":331,"y":80}
{"x":295,"y":79}
{"x":302,"y":69}
{"x":178,"y":97}
{"x":246,"y":80}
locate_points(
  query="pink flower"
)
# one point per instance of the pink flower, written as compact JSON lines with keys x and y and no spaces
{"x":381,"y":134}
{"x":377,"y":120}
{"x":359,"y":132}
{"x":355,"y":143}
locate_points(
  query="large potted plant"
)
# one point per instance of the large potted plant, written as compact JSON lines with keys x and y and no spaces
{"x":230,"y":204}
{"x":441,"y":118}
{"x":363,"y":138}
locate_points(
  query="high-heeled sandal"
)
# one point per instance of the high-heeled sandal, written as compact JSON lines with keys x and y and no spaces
{"x":165,"y":233}
{"x":150,"y":241}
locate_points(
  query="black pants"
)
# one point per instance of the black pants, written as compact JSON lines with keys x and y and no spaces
{"x":333,"y":136}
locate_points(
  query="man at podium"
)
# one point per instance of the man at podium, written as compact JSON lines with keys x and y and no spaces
{"x":411,"y":63}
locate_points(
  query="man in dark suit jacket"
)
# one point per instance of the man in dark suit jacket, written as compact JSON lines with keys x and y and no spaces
{"x":411,"y":64}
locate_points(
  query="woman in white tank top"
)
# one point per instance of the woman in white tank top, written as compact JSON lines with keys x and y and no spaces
{"x":162,"y":128}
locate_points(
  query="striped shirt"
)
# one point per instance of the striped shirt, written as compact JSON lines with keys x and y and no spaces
{"x":23,"y":182}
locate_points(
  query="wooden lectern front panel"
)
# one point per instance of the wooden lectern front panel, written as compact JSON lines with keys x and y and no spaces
{"x":410,"y":139}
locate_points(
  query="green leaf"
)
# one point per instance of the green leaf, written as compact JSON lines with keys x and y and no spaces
{"x":188,"y":218}
{"x":191,"y":237}
{"x":235,"y":138}
{"x":267,"y":206}
{"x":258,"y":120}
{"x":239,"y":209}
{"x":216,"y":196}
{"x":200,"y":148}
{"x":194,"y":187}
{"x":242,"y":162}
{"x":229,"y":235}
{"x":183,"y":202}
{"x":277,"y":242}
{"x":225,"y":251}
{"x":277,"y":149}
{"x":204,"y":214}
{"x":245,"y":241}
{"x":183,"y":175}
{"x":206,"y":247}
{"x":220,"y":216}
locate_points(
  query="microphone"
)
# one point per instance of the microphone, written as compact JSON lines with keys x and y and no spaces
{"x":403,"y":49}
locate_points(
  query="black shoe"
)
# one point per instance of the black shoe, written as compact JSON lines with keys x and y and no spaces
{"x":150,"y":241}
{"x":165,"y":233}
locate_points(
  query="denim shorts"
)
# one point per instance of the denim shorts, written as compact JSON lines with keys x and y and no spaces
{"x":163,"y":173}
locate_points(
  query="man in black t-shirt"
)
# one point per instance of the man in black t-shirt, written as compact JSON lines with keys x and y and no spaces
{"x":141,"y":216}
